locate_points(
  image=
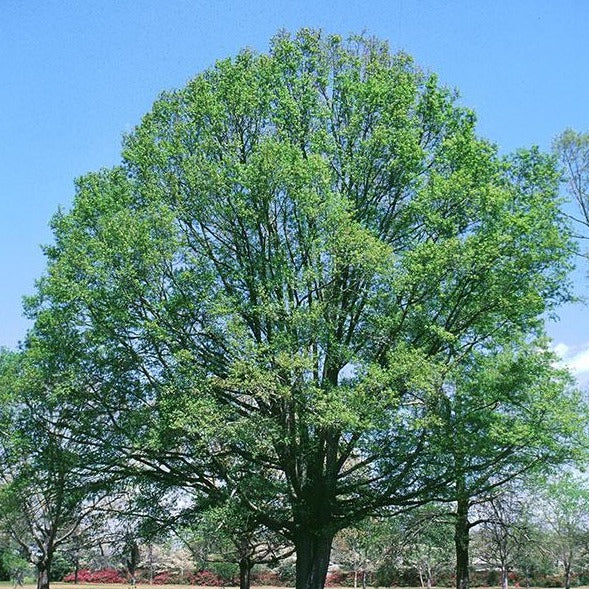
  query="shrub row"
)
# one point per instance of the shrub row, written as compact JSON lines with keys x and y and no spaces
{"x":113,"y":576}
{"x":101,"y":576}
{"x":265,"y":576}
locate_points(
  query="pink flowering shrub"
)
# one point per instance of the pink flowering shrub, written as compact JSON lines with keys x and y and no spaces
{"x":267,"y":577}
{"x":102,"y":576}
{"x":205,"y":577}
{"x":339,"y":579}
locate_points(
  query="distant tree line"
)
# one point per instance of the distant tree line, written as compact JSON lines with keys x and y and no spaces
{"x":535,"y":536}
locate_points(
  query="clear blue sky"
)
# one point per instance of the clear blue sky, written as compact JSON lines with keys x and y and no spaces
{"x":75,"y":75}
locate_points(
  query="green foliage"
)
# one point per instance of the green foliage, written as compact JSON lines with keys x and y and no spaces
{"x":60,"y":567}
{"x":564,"y":515}
{"x":228,"y":571}
{"x":4,"y":568}
{"x":48,"y":488}
{"x":510,"y":411}
{"x":271,"y":295}
{"x":14,"y":566}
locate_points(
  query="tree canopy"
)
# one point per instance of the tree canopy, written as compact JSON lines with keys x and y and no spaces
{"x":269,"y":296}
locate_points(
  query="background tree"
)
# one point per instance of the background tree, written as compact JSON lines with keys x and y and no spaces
{"x":268,"y":294}
{"x":505,"y":414}
{"x":413,"y":547}
{"x":572,"y":150}
{"x":428,"y":546}
{"x":15,"y":566}
{"x":82,"y":542}
{"x":364,"y":548}
{"x":230,"y":534}
{"x":504,"y":532}
{"x":138,"y":529}
{"x":48,"y":494}
{"x":565,"y":514}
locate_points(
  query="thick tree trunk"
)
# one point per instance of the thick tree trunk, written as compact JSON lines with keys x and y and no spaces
{"x":245,"y":570}
{"x":461,"y":541}
{"x":313,"y":552}
{"x":43,"y":575}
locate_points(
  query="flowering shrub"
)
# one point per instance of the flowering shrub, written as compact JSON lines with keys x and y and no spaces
{"x":102,"y":576}
{"x":205,"y":577}
{"x":266,"y":577}
{"x":162,"y":579}
{"x":338,"y":579}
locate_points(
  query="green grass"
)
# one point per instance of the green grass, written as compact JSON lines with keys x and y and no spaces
{"x":56,"y":585}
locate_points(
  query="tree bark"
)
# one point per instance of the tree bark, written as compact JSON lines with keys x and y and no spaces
{"x":245,"y":570}
{"x":567,"y":574}
{"x":504,"y":579}
{"x":313,"y":552}
{"x":461,"y":541}
{"x":151,"y":567}
{"x":43,"y":569}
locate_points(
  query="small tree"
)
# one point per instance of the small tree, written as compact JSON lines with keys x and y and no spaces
{"x":503,"y":415}
{"x":504,"y":532}
{"x":564,"y":512}
{"x":229,"y":533}
{"x":15,"y":564}
{"x":429,"y":547}
{"x":363,"y":548}
{"x":49,"y":492}
{"x":417,"y":541}
{"x":572,"y":150}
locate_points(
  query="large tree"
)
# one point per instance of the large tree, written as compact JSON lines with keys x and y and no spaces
{"x":265,"y":298}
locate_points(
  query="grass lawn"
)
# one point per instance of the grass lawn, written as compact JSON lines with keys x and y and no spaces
{"x":55,"y":585}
